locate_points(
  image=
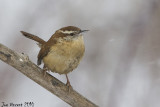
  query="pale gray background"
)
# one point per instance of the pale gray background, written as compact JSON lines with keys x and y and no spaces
{"x":121,"y":66}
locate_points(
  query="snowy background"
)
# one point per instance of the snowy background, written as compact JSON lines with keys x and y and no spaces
{"x":121,"y":66}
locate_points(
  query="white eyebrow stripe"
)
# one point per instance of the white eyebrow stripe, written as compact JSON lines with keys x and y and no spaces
{"x":67,"y":32}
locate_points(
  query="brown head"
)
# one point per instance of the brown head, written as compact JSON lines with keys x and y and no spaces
{"x":69,"y":31}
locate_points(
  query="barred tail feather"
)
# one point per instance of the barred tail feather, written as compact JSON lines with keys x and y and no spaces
{"x":33,"y":37}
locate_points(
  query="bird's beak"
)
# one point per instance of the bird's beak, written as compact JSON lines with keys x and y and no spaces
{"x":83,"y":31}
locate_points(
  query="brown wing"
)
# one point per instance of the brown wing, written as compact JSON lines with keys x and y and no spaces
{"x":46,"y":46}
{"x":45,"y":49}
{"x":43,"y":52}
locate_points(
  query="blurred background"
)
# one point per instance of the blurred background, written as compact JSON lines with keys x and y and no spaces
{"x":121,"y":66}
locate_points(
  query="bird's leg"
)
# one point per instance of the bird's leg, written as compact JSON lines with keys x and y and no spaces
{"x":45,"y":69}
{"x":68,"y":84}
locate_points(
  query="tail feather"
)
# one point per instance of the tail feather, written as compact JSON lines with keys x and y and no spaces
{"x":33,"y":37}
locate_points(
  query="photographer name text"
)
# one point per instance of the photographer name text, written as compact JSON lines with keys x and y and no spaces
{"x":25,"y":104}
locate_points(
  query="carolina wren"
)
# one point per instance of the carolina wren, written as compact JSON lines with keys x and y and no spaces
{"x":62,"y":52}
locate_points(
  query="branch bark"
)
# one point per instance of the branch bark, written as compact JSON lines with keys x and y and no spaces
{"x":22,"y":63}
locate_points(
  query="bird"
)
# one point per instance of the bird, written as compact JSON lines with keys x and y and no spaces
{"x":63,"y":52}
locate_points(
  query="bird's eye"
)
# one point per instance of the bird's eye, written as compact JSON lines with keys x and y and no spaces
{"x":71,"y":34}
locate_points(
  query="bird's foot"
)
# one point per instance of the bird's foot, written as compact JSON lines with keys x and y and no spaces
{"x":69,"y":87}
{"x":45,"y":69}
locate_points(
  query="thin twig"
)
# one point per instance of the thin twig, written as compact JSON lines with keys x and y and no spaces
{"x":22,"y":63}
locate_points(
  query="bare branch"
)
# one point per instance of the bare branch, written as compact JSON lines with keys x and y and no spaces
{"x":22,"y":63}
